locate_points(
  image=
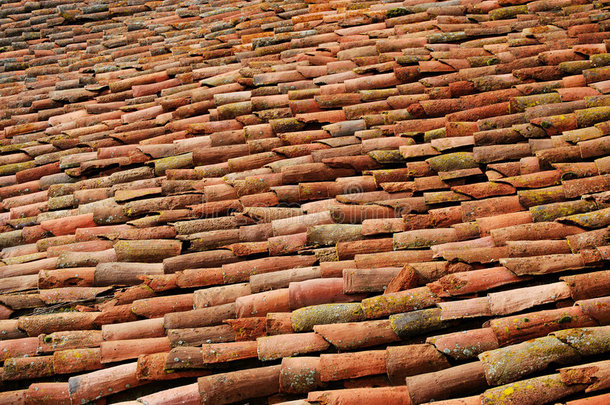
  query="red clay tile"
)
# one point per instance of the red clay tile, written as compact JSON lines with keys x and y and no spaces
{"x":465,"y":345}
{"x":535,"y":231}
{"x":51,"y":393}
{"x":250,"y":170}
{"x":98,"y":384}
{"x":473,"y":281}
{"x":119,"y":350}
{"x":402,"y":301}
{"x":388,"y":395}
{"x":514,"y":329}
{"x":223,"y":352}
{"x":299,"y":375}
{"x":597,"y":308}
{"x":262,"y":303}
{"x":502,"y":303}
{"x":466,"y":378}
{"x":19,"y":347}
{"x":199,"y":317}
{"x":546,"y":388}
{"x":132,"y":330}
{"x":239,"y":385}
{"x":151,"y":367}
{"x":352,"y":365}
{"x":543,"y":264}
{"x":275,"y":347}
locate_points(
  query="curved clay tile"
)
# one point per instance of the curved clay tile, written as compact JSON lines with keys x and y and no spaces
{"x":212,"y":195}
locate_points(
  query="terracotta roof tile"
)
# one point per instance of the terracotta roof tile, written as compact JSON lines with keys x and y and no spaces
{"x":202,"y":191}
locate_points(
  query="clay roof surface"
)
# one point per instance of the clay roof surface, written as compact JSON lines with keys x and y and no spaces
{"x":296,"y":202}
